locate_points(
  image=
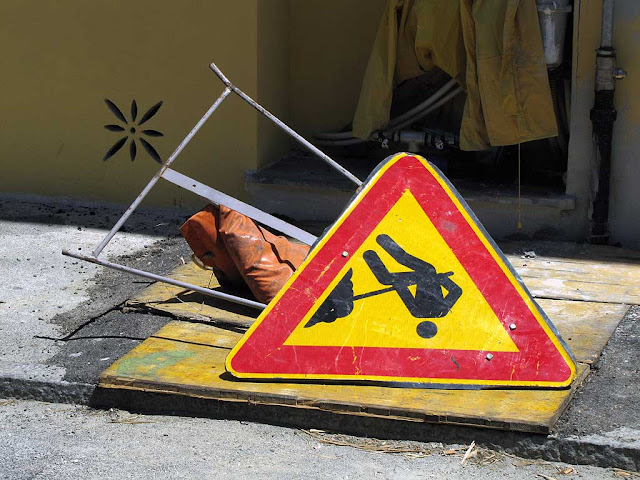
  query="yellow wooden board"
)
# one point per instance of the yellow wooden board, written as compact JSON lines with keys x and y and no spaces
{"x":585,"y":326}
{"x":196,"y":369}
{"x":188,"y":359}
{"x":578,"y":272}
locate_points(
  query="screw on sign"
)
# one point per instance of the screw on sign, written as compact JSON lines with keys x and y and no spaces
{"x":429,"y":300}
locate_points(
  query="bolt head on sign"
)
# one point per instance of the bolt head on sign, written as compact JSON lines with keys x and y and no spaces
{"x":406,"y":287}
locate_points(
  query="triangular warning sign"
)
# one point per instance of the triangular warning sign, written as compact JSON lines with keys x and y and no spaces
{"x":406,"y":287}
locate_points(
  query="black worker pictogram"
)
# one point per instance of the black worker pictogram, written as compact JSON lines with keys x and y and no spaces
{"x":435,"y":293}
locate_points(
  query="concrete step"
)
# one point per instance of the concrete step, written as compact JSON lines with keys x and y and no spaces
{"x":301,"y":187}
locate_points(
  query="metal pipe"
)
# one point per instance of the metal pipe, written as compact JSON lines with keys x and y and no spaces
{"x":418,"y":109}
{"x":426,"y":112}
{"x":389,"y":131}
{"x":431,"y":138}
{"x":340,"y":143}
{"x":157,"y":176}
{"x":171,"y":281}
{"x":400,"y":118}
{"x":607,"y":24}
{"x":332,"y":163}
{"x":603,"y":117}
{"x":220,"y":198}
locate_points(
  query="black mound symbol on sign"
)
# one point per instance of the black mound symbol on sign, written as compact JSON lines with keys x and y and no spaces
{"x":435,"y":293}
{"x":338,"y":304}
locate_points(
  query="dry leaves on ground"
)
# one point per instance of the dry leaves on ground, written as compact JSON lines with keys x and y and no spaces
{"x":618,"y":472}
{"x":370,"y":444}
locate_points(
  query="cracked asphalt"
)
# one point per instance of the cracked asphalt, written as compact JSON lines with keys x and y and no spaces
{"x":59,"y":317}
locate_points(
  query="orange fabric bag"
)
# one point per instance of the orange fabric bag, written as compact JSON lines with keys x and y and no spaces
{"x":265,"y":260}
{"x":241,"y":253}
{"x":201,"y":233}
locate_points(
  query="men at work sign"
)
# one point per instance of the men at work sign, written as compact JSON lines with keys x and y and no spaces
{"x":406,"y":287}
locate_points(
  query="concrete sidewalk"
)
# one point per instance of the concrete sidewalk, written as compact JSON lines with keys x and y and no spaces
{"x":62,"y":324}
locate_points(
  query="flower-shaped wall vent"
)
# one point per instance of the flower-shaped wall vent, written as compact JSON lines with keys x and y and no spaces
{"x":133,"y":131}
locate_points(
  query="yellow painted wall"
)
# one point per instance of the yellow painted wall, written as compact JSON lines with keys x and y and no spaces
{"x":330,"y":45}
{"x":625,"y":168}
{"x":273,"y":77}
{"x":60,"y":60}
{"x":303,"y":60}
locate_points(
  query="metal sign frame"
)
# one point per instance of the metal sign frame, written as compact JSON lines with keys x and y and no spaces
{"x":213,"y":196}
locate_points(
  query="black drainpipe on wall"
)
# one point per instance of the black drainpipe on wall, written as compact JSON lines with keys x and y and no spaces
{"x":603,"y":116}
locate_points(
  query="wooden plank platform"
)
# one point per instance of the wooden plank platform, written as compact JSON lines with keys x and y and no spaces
{"x":188,"y":359}
{"x":568,"y":271}
{"x":585,"y":291}
{"x":585,"y":326}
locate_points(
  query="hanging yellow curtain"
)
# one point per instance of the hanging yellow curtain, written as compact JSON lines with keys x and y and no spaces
{"x":491,"y":47}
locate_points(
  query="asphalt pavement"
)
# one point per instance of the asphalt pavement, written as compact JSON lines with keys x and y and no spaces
{"x":44,"y":441}
{"x":62,"y":323}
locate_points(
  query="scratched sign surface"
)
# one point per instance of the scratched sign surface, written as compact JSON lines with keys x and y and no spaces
{"x":405,"y":287}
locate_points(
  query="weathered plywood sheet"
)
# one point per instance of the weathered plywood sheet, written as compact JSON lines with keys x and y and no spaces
{"x":570,"y":250}
{"x":194,"y":366}
{"x":585,"y":326}
{"x":583,"y":289}
{"x":590,"y":281}
{"x":161,"y":292}
{"x":578,"y":272}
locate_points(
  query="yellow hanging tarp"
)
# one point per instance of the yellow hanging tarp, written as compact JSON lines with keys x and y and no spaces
{"x":492,"y":48}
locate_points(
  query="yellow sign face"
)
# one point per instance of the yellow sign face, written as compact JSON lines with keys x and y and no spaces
{"x":383,"y":320}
